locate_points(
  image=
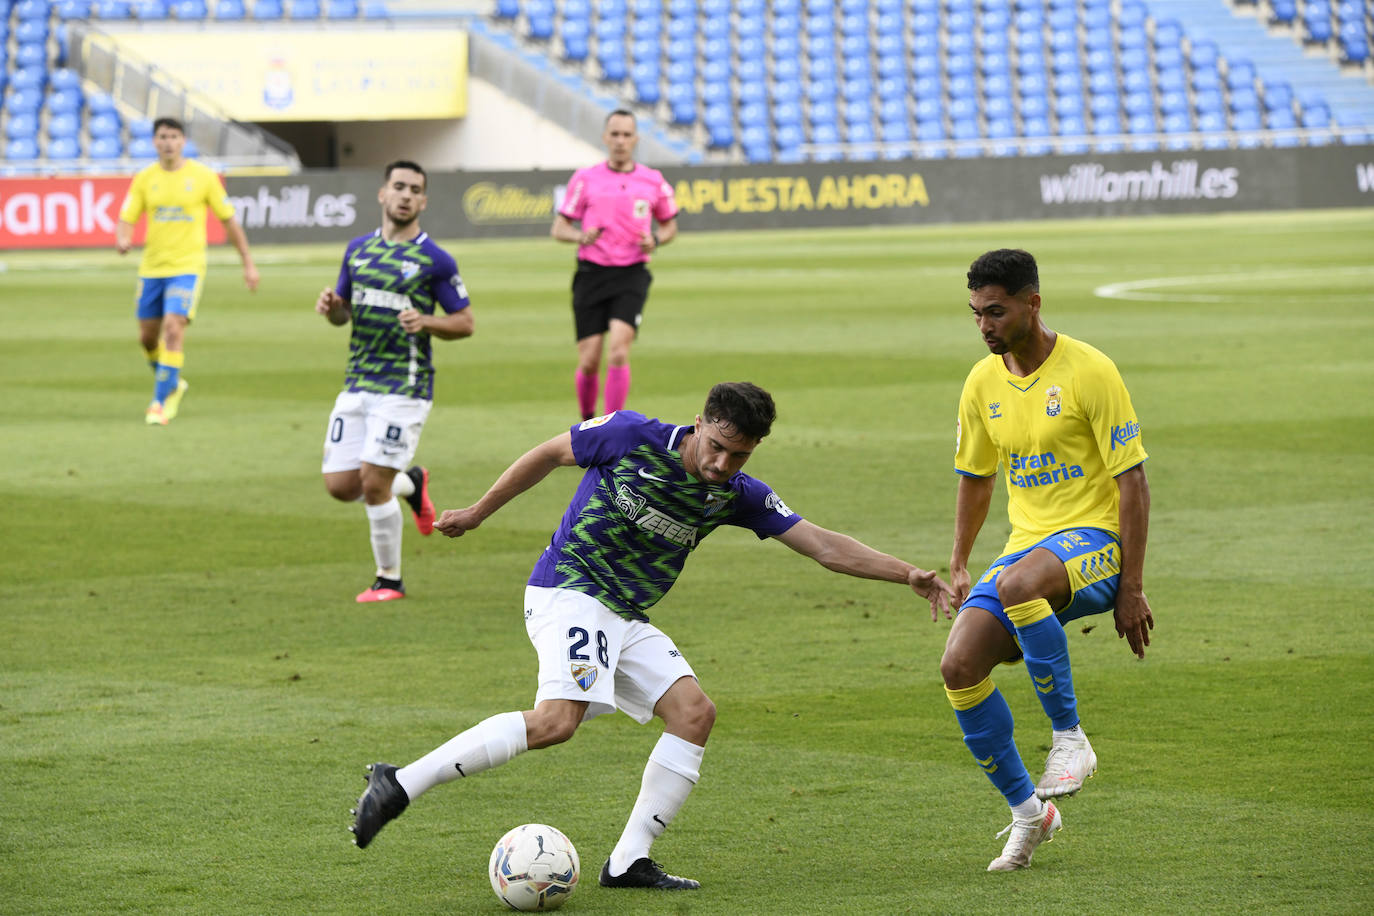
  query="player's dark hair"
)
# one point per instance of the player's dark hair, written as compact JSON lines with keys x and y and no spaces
{"x":405,"y":164}
{"x":742,"y":405}
{"x":173,"y":123}
{"x":1010,"y":268}
{"x":621,"y":112}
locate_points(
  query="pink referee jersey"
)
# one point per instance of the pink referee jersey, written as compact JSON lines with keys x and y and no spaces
{"x":623,"y":205}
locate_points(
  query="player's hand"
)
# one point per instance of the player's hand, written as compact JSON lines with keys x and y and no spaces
{"x":589,"y":236}
{"x":123,"y":247}
{"x":328,"y":301}
{"x":647,"y":243}
{"x":412,"y":320}
{"x":250,"y":277}
{"x":925,"y":583}
{"x":455,"y":523}
{"x":961,"y":582}
{"x":1134,"y":620}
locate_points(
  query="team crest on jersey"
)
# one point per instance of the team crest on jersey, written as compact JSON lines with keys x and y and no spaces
{"x":409,"y":269}
{"x":1054,"y":402}
{"x":584,"y":674}
{"x":628,"y":501}
{"x":994,"y":410}
{"x":716,"y":501}
{"x":773,"y":502}
{"x":641,"y":209}
{"x":594,"y":422}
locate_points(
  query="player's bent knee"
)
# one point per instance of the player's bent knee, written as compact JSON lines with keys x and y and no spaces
{"x":552,"y":723}
{"x":959,"y":672}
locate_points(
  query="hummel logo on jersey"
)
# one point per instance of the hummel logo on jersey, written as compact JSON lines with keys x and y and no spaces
{"x":647,"y":476}
{"x":994,"y":410}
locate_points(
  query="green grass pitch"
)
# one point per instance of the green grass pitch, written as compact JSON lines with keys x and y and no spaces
{"x":189,"y":694}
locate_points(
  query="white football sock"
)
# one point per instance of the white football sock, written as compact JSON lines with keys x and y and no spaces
{"x":487,"y":744}
{"x":673,"y":768}
{"x":385,"y":522}
{"x":1028,"y":809}
{"x":1073,"y":734}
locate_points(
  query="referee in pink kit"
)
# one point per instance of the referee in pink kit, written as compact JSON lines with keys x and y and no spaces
{"x":616,"y":203}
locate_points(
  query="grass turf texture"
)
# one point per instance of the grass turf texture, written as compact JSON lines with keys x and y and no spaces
{"x":188,"y":693}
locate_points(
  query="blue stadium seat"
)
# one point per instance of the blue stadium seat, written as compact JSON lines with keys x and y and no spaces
{"x":1244,"y":100}
{"x":377,"y":9}
{"x":1317,"y":29}
{"x":140,"y":128}
{"x":104,"y":124}
{"x":31,"y":31}
{"x":105,"y":148}
{"x":507,"y":9}
{"x":21,"y":148}
{"x":32,"y":9}
{"x":65,"y":124}
{"x":151,"y":10}
{"x":23,"y":100}
{"x":190,"y":10}
{"x":267,"y":9}
{"x":230,"y":10}
{"x":304,"y":9}
{"x":1282,"y":11}
{"x":65,"y":101}
{"x":73,"y":9}
{"x":33,"y":56}
{"x":63,"y":149}
{"x":21,"y":124}
{"x":31,"y":77}
{"x":1277,"y":95}
{"x":341,"y":9}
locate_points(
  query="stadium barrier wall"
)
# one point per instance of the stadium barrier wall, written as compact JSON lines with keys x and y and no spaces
{"x":328,"y":206}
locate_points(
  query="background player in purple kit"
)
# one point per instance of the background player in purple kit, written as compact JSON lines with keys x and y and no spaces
{"x":399,"y":289}
{"x":616,"y":203}
{"x":651,"y":492}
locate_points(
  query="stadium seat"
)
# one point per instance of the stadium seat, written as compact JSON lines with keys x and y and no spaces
{"x":23,"y":100}
{"x":31,"y":31}
{"x":33,"y":56}
{"x":62,"y":149}
{"x":65,"y":124}
{"x":21,"y":124}
{"x":21,"y":148}
{"x":377,"y":9}
{"x":230,"y":10}
{"x":151,"y":10}
{"x":304,"y":9}
{"x":105,"y":148}
{"x":267,"y":9}
{"x":111,"y":9}
{"x":190,"y":10}
{"x":73,"y":9}
{"x":65,"y":101}
{"x":104,"y":124}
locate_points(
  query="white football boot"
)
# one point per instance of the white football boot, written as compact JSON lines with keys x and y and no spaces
{"x":1070,"y":763}
{"x":1025,"y":836}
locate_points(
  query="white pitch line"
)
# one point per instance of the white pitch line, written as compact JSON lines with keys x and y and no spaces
{"x":1137,"y":289}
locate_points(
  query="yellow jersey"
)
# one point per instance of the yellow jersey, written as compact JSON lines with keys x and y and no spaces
{"x":175,"y":203}
{"x":1062,"y":434}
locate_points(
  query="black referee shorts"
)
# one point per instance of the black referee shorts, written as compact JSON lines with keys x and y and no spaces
{"x":600,"y":293}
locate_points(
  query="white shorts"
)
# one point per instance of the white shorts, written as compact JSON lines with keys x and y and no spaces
{"x":588,"y":653}
{"x":381,"y":429}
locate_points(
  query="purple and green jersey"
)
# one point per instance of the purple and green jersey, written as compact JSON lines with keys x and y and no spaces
{"x":638,"y":514}
{"x":381,"y":279}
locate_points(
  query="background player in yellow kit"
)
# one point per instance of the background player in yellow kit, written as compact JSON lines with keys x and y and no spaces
{"x":175,"y":192}
{"x":1055,"y":415}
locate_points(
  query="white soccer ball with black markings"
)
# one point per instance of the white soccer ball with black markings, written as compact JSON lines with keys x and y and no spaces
{"x":534,"y":867}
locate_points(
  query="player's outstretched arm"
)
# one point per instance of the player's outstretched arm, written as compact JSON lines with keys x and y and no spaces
{"x":1134,"y":621}
{"x":443,"y":325}
{"x":528,"y":470}
{"x":844,"y":554}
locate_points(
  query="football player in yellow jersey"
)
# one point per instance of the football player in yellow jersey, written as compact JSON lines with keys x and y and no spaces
{"x":1054,"y":414}
{"x":175,"y":192}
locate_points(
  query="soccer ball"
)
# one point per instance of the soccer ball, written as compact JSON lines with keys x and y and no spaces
{"x":534,"y":867}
